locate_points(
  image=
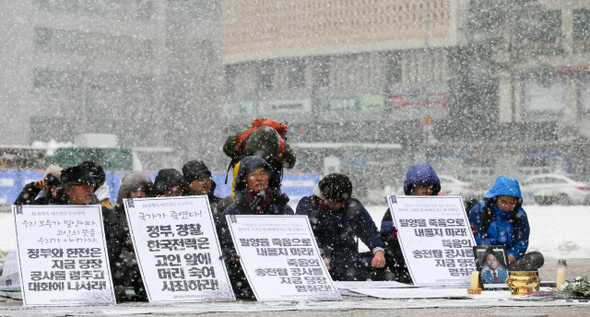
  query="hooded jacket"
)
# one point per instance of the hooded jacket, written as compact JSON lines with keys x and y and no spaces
{"x":421,"y":174}
{"x":278,"y":206}
{"x":129,"y":182}
{"x":494,"y":226}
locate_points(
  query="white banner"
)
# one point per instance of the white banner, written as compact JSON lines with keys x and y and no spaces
{"x":177,"y":249}
{"x":63,"y":256}
{"x":435,"y":237}
{"x":280,"y":258}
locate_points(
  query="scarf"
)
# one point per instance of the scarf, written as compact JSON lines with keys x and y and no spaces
{"x":258,"y":200}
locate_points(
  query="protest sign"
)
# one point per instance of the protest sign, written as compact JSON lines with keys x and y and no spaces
{"x":62,"y":256}
{"x":435,"y":237}
{"x":177,"y":249}
{"x":280,"y":258}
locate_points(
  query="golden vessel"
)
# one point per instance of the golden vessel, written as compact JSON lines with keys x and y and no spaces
{"x":522,"y":282}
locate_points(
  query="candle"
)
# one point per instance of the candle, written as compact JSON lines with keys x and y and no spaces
{"x":560,"y":278}
{"x":474,"y":280}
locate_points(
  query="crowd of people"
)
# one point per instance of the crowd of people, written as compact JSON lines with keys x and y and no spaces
{"x":337,"y":218}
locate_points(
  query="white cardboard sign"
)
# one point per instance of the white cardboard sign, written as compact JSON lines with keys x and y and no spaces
{"x":435,"y":237}
{"x":280,"y":258}
{"x":177,"y":249}
{"x":62,"y":256}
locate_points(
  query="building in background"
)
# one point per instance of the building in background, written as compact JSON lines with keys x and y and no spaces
{"x":148,"y":71}
{"x":471,"y":99}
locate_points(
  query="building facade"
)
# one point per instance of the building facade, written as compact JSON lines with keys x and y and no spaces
{"x":148,"y":71}
{"x":415,"y":73}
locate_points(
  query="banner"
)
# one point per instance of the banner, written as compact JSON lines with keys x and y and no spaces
{"x":62,"y":256}
{"x":280,"y":258}
{"x":177,"y":249}
{"x":435,"y":237}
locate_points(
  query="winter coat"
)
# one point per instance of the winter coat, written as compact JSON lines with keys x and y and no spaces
{"x":336,"y":231}
{"x":278,"y":205}
{"x":28,"y":196}
{"x":508,"y":229}
{"x":112,"y":228}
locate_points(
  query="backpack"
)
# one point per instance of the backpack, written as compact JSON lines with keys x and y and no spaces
{"x":281,"y":130}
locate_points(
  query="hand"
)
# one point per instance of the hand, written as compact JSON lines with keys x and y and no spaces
{"x":327,"y":263}
{"x":235,"y":258}
{"x":40,"y":183}
{"x":378,"y":260}
{"x":511,"y":259}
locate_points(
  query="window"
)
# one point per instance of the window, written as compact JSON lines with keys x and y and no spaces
{"x":582,"y":24}
{"x":543,"y":27}
{"x":266,"y":72}
{"x":296,"y":73}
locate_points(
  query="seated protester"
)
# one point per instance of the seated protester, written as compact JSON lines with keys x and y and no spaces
{"x":134,"y":184}
{"x":500,"y":220}
{"x":337,"y":221}
{"x":78,"y":189}
{"x":199,"y":182}
{"x":253,"y":197}
{"x":46,"y":186}
{"x":421,"y":180}
{"x":169,"y":183}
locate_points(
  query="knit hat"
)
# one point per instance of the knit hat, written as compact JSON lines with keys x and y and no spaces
{"x":193,"y":170}
{"x":166,"y":179}
{"x":336,"y":187}
{"x":77,"y":173}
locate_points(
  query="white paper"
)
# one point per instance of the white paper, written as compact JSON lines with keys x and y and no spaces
{"x":177,"y":249}
{"x":63,"y":256}
{"x":280,"y":258}
{"x":435,"y":237}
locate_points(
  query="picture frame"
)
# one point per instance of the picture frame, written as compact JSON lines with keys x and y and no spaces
{"x":492,"y":265}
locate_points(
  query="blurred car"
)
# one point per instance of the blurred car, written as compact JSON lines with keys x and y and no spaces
{"x":451,"y":186}
{"x":546,"y":189}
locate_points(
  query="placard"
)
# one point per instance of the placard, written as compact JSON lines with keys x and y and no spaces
{"x":280,"y":258}
{"x":177,"y":249}
{"x":62,"y":256}
{"x":435,"y":237}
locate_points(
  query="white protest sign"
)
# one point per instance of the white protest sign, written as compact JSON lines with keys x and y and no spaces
{"x":280,"y":258}
{"x":177,"y":249}
{"x":435,"y":237}
{"x":63,"y":256}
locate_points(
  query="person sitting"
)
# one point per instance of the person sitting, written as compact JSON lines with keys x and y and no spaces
{"x":500,"y":220}
{"x":421,"y":180}
{"x":493,"y":272}
{"x":199,"y":182}
{"x":253,"y":196}
{"x":337,"y":220}
{"x":134,"y":184}
{"x":169,"y":183}
{"x":45,"y":188}
{"x":78,"y":183}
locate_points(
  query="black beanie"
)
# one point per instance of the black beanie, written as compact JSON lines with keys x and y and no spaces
{"x":193,"y":170}
{"x":166,"y":179}
{"x":336,"y":187}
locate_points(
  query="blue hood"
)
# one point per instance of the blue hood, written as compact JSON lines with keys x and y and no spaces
{"x":246,"y":164}
{"x":421,"y":174}
{"x":504,"y":186}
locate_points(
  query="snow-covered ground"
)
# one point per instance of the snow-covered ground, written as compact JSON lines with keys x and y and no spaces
{"x":556,"y":231}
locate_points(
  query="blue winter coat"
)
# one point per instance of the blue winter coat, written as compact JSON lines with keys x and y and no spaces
{"x":240,"y":206}
{"x":508,"y":229}
{"x":336,"y":231}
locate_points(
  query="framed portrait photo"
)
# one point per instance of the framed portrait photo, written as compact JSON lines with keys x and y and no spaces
{"x":492,"y":265}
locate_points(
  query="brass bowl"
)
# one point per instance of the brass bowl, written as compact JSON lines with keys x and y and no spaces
{"x":523,"y":282}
